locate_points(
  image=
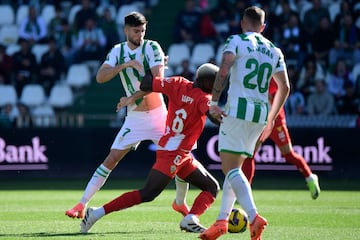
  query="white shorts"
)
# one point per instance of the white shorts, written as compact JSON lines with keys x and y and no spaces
{"x":139,"y":126}
{"x":239,"y":136}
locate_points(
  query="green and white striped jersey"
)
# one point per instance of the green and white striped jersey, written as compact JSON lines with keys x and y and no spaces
{"x":256,"y":61}
{"x":149,"y":53}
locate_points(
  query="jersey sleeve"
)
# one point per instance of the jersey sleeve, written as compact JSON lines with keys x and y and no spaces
{"x":204,"y":104}
{"x":112,"y":56}
{"x":165,"y":85}
{"x":230,"y":45}
{"x":281,"y":65}
{"x":155,"y":55}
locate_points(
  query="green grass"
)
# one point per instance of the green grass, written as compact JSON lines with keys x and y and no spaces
{"x":35,"y":210}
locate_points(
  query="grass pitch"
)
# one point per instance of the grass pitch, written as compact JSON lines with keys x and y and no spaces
{"x":35,"y":210}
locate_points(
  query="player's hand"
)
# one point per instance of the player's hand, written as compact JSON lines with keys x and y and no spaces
{"x":137,"y":65}
{"x":124,"y":101}
{"x":266,"y":132}
{"x":217,"y":113}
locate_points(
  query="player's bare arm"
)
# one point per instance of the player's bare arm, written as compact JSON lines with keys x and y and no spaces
{"x":146,"y":88}
{"x":107,"y":72}
{"x":220,"y":83}
{"x":278,"y":101}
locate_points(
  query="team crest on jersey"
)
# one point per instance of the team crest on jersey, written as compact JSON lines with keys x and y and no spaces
{"x":167,"y":79}
{"x":172,"y":169}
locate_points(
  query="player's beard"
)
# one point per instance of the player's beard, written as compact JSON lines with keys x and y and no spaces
{"x":134,"y":42}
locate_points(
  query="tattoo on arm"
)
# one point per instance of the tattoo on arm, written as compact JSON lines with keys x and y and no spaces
{"x":222,"y":77}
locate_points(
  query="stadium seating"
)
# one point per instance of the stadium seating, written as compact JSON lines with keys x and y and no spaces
{"x":33,"y":95}
{"x":48,"y":12}
{"x":78,"y":76}
{"x":12,"y":48}
{"x":61,"y":96}
{"x":43,"y":116}
{"x":21,"y":13}
{"x":8,"y":95}
{"x":7,"y":15}
{"x":9,"y":34}
{"x":177,"y":52}
{"x":202,"y":53}
{"x":38,"y":50}
{"x":356,"y":71}
{"x":72,"y":12}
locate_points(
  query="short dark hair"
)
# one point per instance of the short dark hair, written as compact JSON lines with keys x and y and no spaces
{"x":135,"y":19}
{"x":255,"y":15}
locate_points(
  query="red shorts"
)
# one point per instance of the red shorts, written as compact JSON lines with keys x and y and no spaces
{"x":173,"y":163}
{"x":280,"y":133}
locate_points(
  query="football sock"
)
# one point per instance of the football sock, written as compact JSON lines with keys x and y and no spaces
{"x":227,"y":201}
{"x":99,"y":212}
{"x":182,"y":188}
{"x":201,"y":203}
{"x":96,"y":182}
{"x":126,"y":200}
{"x":242,"y":190}
{"x":248,"y":169}
{"x":297,"y":160}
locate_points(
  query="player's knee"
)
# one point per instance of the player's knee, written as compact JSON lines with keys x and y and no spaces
{"x":148,"y":196}
{"x":213,"y":187}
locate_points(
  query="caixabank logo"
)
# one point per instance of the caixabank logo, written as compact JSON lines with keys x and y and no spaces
{"x":27,"y":156}
{"x":317,"y":154}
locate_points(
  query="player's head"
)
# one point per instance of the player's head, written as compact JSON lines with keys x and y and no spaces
{"x":135,"y":27}
{"x":205,"y":77}
{"x":253,"y":20}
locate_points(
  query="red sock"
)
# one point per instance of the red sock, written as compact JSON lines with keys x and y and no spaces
{"x":299,"y":162}
{"x":126,"y":200}
{"x":202,"y":202}
{"x":248,"y":168}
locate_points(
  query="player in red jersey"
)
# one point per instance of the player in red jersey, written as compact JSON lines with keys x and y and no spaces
{"x":281,"y":137}
{"x":188,"y":106}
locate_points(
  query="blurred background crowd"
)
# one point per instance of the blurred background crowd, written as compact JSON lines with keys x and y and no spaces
{"x":50,"y":50}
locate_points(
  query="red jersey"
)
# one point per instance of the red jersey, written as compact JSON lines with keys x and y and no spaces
{"x":187,"y":107}
{"x":272,"y":90}
{"x":272,"y":87}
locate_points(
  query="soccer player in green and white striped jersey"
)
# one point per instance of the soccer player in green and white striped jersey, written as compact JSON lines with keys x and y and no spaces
{"x":145,"y":118}
{"x":251,"y":60}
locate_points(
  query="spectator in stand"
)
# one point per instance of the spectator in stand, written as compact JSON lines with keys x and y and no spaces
{"x":286,"y":13}
{"x":349,"y":103}
{"x":337,"y":78}
{"x":323,"y":41}
{"x":186,"y":71}
{"x":55,"y":23}
{"x":187,"y":24}
{"x":87,"y":11}
{"x":236,"y":14}
{"x":33,"y":28}
{"x":24,"y":66}
{"x":207,"y":28}
{"x":8,"y":115}
{"x":273,"y":28}
{"x":345,"y":8}
{"x":109,"y":27}
{"x":313,"y":16}
{"x":6,"y":63}
{"x":295,"y":104}
{"x":23,"y":119}
{"x":221,"y":20}
{"x":65,"y":39}
{"x":90,"y":43}
{"x":347,"y":41}
{"x":310,"y":71}
{"x":51,"y":67}
{"x":293,"y":42}
{"x":321,"y":102}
